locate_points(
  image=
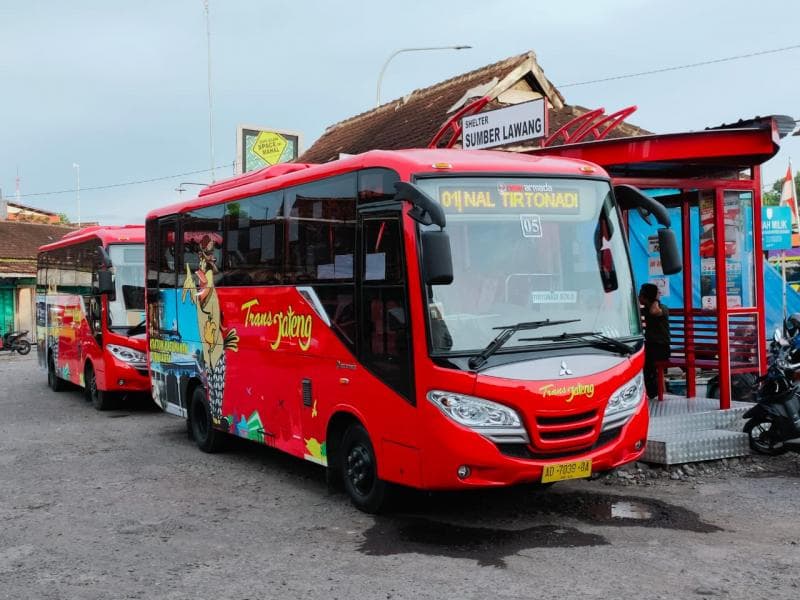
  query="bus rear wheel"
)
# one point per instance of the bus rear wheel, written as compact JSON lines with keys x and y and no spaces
{"x":205,"y":436}
{"x":100,"y":400}
{"x":53,"y":380}
{"x":360,"y":471}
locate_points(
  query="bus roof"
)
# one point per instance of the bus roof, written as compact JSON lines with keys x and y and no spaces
{"x":108,"y":234}
{"x":405,"y":162}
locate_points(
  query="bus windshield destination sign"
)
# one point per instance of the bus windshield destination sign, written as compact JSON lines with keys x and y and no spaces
{"x":510,"y":197}
{"x":526,"y":121}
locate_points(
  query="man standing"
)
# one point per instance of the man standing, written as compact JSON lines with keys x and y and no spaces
{"x":656,"y":335}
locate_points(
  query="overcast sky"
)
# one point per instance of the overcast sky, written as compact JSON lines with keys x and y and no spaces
{"x":120,"y":88}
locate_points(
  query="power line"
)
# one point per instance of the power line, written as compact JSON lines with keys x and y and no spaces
{"x":122,"y":184}
{"x":687,"y":66}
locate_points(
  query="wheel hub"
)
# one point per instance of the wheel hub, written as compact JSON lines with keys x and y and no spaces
{"x":359,"y":469}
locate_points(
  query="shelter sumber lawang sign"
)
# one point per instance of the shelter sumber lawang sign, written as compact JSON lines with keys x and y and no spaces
{"x":518,"y":123}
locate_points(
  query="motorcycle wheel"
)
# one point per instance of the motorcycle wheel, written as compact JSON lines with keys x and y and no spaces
{"x":23,"y":347}
{"x":758,"y":432}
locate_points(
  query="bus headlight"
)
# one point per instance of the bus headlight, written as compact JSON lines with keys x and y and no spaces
{"x":497,"y":422}
{"x":128,"y":355}
{"x":623,"y":403}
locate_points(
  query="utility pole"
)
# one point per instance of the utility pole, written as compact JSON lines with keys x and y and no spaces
{"x":210,"y":104}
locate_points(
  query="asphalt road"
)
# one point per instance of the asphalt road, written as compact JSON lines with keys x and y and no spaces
{"x":122,"y":505}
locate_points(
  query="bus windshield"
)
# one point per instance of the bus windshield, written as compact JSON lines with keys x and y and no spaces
{"x":530,"y":249}
{"x":127,"y":308}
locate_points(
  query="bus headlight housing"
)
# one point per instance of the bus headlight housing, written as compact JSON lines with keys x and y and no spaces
{"x":497,"y":422}
{"x":128,"y":355}
{"x":623,"y":403}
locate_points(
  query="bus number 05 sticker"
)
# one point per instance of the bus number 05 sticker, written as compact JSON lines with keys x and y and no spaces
{"x":531,"y":226}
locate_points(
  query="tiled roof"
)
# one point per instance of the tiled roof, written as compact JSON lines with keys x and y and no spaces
{"x":412,"y":121}
{"x":20,"y":241}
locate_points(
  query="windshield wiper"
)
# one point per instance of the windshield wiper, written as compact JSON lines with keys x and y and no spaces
{"x":595,"y":338}
{"x":137,"y":329}
{"x":505,"y":334}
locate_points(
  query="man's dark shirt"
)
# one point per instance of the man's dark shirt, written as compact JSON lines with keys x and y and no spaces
{"x":656,"y":327}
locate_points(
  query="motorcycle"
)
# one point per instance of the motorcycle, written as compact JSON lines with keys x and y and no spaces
{"x":14,"y":341}
{"x":773,"y":425}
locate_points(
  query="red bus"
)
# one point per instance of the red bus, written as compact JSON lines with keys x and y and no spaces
{"x":439,"y":319}
{"x":90,"y":313}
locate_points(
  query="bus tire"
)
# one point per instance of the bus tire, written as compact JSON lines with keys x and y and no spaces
{"x":100,"y":400}
{"x":53,"y":380}
{"x":205,"y":436}
{"x":360,"y":470}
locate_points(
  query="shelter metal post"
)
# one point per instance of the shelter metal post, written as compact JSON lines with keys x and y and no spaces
{"x":688,"y":317}
{"x":723,"y":333}
{"x":758,"y":260}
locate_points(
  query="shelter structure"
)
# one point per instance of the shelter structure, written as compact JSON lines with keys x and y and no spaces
{"x":712,"y":180}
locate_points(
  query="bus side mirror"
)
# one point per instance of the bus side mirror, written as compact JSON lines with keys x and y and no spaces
{"x":426,"y":210}
{"x":668,"y":248}
{"x":437,"y":262}
{"x":105,"y":282}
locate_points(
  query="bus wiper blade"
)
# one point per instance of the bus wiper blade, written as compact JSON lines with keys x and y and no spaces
{"x":505,"y":334}
{"x":595,"y":338}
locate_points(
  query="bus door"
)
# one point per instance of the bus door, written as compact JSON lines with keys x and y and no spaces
{"x":384,"y":329}
{"x":166,"y":359}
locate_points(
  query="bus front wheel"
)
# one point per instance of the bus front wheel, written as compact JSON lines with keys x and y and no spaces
{"x":205,"y":436}
{"x":360,"y":470}
{"x":100,"y":399}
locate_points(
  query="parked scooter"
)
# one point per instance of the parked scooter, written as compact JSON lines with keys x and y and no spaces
{"x":773,"y":425}
{"x":14,"y":341}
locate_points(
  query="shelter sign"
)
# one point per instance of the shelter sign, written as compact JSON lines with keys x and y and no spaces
{"x":517,"y":123}
{"x":776,"y":227}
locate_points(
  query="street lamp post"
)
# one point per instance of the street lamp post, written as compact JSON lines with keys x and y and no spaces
{"x":77,"y":168}
{"x":210,"y":105}
{"x":396,"y":52}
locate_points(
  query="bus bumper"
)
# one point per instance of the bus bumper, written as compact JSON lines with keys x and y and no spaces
{"x":488,"y":466}
{"x":120,"y":376}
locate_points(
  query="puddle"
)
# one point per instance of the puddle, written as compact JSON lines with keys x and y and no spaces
{"x":484,"y":526}
{"x":118,"y":416}
{"x":488,"y":546}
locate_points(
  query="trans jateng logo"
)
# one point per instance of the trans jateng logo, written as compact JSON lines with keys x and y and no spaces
{"x":568,"y":391}
{"x":290,"y":325}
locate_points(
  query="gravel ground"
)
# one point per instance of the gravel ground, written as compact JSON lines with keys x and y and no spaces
{"x":121,"y":505}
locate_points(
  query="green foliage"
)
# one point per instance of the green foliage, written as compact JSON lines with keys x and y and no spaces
{"x":64,"y":219}
{"x":772,"y":196}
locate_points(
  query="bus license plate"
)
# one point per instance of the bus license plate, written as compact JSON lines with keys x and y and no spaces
{"x":572,"y":470}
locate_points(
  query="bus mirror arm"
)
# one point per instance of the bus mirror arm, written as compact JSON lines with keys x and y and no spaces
{"x":426,"y":210}
{"x":630,"y":197}
{"x":105,"y":258}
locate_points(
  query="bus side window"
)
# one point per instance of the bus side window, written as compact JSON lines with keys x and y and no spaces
{"x":385,"y":344}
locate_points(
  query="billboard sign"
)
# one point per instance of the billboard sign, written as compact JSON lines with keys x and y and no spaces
{"x":258,"y":147}
{"x":776,"y":227}
{"x":517,"y":123}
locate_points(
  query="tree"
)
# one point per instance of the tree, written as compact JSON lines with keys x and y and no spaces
{"x":63,"y":219}
{"x":772,"y":197}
